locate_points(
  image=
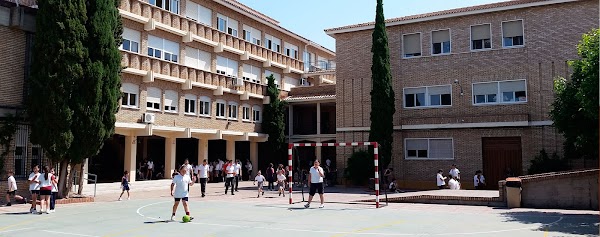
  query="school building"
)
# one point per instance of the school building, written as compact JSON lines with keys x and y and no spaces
{"x":473,"y":86}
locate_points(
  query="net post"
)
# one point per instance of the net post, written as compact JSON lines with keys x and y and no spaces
{"x":290,"y":146}
{"x":376,"y":160}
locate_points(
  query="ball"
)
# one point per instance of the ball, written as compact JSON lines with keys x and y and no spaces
{"x":186,"y":219}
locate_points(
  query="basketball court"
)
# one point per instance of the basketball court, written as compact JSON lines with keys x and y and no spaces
{"x":245,"y":215}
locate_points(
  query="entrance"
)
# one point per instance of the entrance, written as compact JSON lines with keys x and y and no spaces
{"x":502,"y":157}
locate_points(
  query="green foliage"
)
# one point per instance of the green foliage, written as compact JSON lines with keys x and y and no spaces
{"x":360,"y":167}
{"x":575,"y":108}
{"x":8,"y":128}
{"x":273,"y":122}
{"x":382,"y":94}
{"x":542,"y":163}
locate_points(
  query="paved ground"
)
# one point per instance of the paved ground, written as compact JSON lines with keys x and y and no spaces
{"x":245,"y":215}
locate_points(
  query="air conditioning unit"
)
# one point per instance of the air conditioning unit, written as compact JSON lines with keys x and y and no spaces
{"x":238,"y":81}
{"x":303,"y":82}
{"x":149,"y":118}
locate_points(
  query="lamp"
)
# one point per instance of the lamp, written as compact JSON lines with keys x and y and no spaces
{"x":459,"y":85}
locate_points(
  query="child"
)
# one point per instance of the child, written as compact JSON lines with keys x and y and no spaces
{"x":281,"y":182}
{"x":54,"y":191}
{"x":453,"y":184}
{"x":181,"y":183}
{"x":260,"y":179}
{"x":125,"y":184}
{"x":12,"y":189}
{"x":45,"y":190}
{"x":34,"y":188}
{"x":479,"y":180}
{"x":441,"y":180}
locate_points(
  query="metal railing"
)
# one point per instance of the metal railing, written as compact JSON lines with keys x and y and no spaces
{"x":76,"y":181}
{"x":321,"y":65}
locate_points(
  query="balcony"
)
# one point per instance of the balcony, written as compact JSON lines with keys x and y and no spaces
{"x":321,"y":65}
{"x":151,"y":68}
{"x":177,"y":24}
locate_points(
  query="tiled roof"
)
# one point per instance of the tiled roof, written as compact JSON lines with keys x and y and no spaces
{"x":444,"y":12}
{"x":314,"y":97}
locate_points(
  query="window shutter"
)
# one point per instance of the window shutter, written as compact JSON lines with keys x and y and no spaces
{"x":153,"y":95}
{"x":485,"y":88}
{"x":414,"y":90}
{"x":440,"y":36}
{"x":191,"y":10}
{"x":416,"y":144}
{"x":480,"y":32}
{"x":439,"y":90}
{"x":412,"y":43}
{"x":441,"y":148}
{"x":512,"y":28}
{"x":512,"y":86}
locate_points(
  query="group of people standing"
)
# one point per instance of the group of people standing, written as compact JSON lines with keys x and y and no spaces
{"x":454,"y":179}
{"x":41,"y":185}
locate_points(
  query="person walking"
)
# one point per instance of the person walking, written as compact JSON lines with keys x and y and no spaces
{"x":180,"y":191}
{"x":479,"y":180}
{"x":229,"y":170}
{"x":11,"y":190}
{"x":34,"y":188}
{"x":260,"y":179}
{"x":270,"y":176}
{"x":315,"y":185}
{"x":54,"y":190}
{"x":238,"y":174}
{"x":441,"y":180}
{"x":125,"y":184}
{"x":45,"y":190}
{"x":249,"y":168}
{"x":150,"y":169}
{"x":203,"y":171}
{"x":281,"y":182}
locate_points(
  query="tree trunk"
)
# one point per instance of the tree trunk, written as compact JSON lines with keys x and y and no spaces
{"x":62,"y":181}
{"x":81,"y":180}
{"x":69,"y":184}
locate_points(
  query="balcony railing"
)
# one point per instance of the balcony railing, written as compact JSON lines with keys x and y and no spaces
{"x":147,"y":63}
{"x":321,"y":65}
{"x":142,"y":8}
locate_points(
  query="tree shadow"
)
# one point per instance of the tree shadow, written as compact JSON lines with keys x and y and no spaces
{"x":575,"y":224}
{"x":18,"y":213}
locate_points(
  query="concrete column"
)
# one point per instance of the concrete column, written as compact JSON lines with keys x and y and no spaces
{"x":170,"y":151}
{"x":130,"y":156}
{"x":230,"y":150}
{"x":291,"y":120}
{"x":318,"y":153}
{"x":318,"y":118}
{"x":254,"y":158}
{"x":202,"y":150}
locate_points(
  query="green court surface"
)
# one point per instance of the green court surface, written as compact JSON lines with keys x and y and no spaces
{"x":245,"y":216}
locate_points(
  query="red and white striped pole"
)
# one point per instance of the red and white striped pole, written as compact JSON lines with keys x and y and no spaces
{"x":290,"y":146}
{"x":376,"y":157}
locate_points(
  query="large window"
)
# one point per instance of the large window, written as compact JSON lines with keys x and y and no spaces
{"x":251,"y":73}
{"x":412,"y":45}
{"x":256,"y":114}
{"x":429,"y":148}
{"x":428,"y":96}
{"x":481,"y":37}
{"x":272,"y":43}
{"x":277,"y":77}
{"x":21,"y":141}
{"x":252,"y":35}
{"x":171,"y":101}
{"x":169,"y":5}
{"x":197,"y":59}
{"x":131,"y":40}
{"x":291,"y":50}
{"x":198,"y":13}
{"x":512,"y":33}
{"x":163,"y":49}
{"x":220,"y":109}
{"x":190,"y":104}
{"x":440,"y":42}
{"x":130,"y":95}
{"x":153,"y":99}
{"x":289,"y":83}
{"x":246,"y":112}
{"x":227,"y":25}
{"x":226,"y":66}
{"x":204,"y":107}
{"x":500,"y":92}
{"x":232,"y":109}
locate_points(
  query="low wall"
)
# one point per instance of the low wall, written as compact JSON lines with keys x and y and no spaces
{"x":561,"y":190}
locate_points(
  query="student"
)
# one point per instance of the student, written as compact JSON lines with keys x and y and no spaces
{"x":315,"y":176}
{"x":281,"y":182}
{"x":11,"y":190}
{"x":181,"y":183}
{"x":125,"y":184}
{"x":150,"y":169}
{"x":270,"y":178}
{"x":454,"y":172}
{"x":229,"y":170}
{"x":34,"y":188}
{"x":249,"y":168}
{"x":203,"y":176}
{"x":260,"y":179}
{"x":238,"y":174}
{"x":454,"y":184}
{"x":45,"y":190}
{"x":441,"y":180}
{"x":392,"y":186}
{"x":479,"y":180}
{"x":54,"y":190}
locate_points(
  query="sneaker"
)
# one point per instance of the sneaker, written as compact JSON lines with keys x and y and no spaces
{"x":52,"y":211}
{"x":232,"y":194}
{"x":307,"y":205}
{"x":120,"y":199}
{"x":203,"y":195}
{"x":172,"y":218}
{"x":258,"y":196}
{"x":128,"y":198}
{"x":322,"y":205}
{"x":8,"y":204}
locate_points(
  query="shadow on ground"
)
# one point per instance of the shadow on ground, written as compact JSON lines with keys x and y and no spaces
{"x":575,"y":224}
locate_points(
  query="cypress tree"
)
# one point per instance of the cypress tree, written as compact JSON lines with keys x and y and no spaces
{"x":382,"y":94}
{"x":274,"y":119}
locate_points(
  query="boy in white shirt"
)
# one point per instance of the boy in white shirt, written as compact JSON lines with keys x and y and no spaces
{"x":281,"y":182}
{"x":454,"y":172}
{"x":202,"y":171}
{"x":11,"y":190}
{"x":315,"y":185}
{"x":479,"y":180}
{"x":181,"y":183}
{"x":260,"y":179}
{"x":34,"y":187}
{"x":441,"y":180}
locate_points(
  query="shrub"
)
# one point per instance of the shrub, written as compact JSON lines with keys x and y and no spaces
{"x":542,"y":163}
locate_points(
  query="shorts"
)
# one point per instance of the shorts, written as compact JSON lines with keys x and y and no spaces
{"x":260,"y":185}
{"x":11,"y":193}
{"x":183,"y":198}
{"x":126,"y":187}
{"x":46,"y":192}
{"x":315,"y":188}
{"x":281,"y":184}
{"x":36,"y":192}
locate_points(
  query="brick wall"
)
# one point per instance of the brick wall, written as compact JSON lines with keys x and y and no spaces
{"x":12,"y":66}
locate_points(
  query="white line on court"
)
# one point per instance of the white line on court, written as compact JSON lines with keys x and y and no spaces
{"x":343,"y":232}
{"x":8,"y":231}
{"x":66,"y":233}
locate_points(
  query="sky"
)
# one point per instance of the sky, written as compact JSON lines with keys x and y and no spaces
{"x":309,"y":18}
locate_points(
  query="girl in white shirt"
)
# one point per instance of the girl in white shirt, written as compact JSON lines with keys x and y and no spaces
{"x":281,"y":181}
{"x":260,"y":179}
{"x":45,"y":190}
{"x":34,"y":188}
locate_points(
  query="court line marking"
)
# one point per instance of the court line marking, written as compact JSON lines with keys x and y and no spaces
{"x":67,"y":233}
{"x":31,"y":220}
{"x":344,"y":232}
{"x":8,"y":231}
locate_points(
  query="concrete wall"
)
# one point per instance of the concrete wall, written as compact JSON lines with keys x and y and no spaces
{"x":567,"y":190}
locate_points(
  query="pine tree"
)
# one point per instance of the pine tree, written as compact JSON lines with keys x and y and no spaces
{"x":382,"y":94}
{"x":274,"y":119}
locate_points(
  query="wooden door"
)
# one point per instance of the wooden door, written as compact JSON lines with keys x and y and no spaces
{"x":501,"y":156}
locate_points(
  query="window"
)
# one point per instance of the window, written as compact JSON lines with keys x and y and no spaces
{"x":440,"y":41}
{"x":481,"y":37}
{"x":130,"y":95}
{"x":256,"y":114}
{"x":204,"y":108}
{"x":245,"y":112}
{"x":272,"y":43}
{"x":291,"y":50}
{"x":226,"y":66}
{"x":251,"y":73}
{"x":412,"y":45}
{"x":307,"y":61}
{"x":198,"y":13}
{"x":197,"y":59}
{"x":171,"y":101}
{"x":277,"y":77}
{"x":232,"y":109}
{"x":227,"y":25}
{"x":163,"y":49}
{"x":153,"y":99}
{"x":252,"y":35}
{"x":500,"y":92}
{"x":429,"y":96}
{"x":289,"y":83}
{"x":429,"y":148}
{"x":220,"y":109}
{"x":169,"y":5}
{"x":131,"y":40}
{"x":21,"y":140}
{"x":37,"y":155}
{"x":190,"y":104}
{"x":512,"y":33}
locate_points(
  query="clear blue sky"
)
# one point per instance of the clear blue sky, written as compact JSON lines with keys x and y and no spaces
{"x":309,"y":18}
